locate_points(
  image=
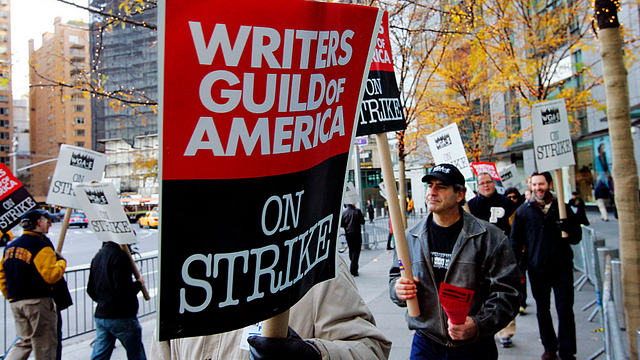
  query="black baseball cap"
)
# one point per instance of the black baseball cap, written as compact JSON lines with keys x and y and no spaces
{"x":447,"y":173}
{"x":34,"y":215}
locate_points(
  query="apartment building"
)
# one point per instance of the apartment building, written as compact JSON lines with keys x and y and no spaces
{"x":59,"y":114}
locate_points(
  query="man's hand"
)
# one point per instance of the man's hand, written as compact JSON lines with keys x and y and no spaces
{"x":291,"y":348}
{"x":463,"y":331}
{"x":405,"y":288}
{"x":563,"y":225}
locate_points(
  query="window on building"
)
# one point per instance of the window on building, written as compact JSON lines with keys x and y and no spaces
{"x":4,"y":135}
{"x":79,"y":143}
{"x":78,"y":108}
{"x":4,"y":26}
{"x":5,"y":148}
{"x":4,"y":50}
{"x":4,"y":111}
{"x":73,"y":39}
{"x":4,"y":98}
{"x":4,"y":14}
{"x":79,"y":120}
{"x":4,"y":38}
{"x":5,"y":160}
{"x":79,"y":132}
{"x":4,"y":123}
{"x":4,"y":2}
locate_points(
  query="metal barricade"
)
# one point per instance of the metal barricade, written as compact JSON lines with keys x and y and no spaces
{"x":614,"y":348}
{"x":78,"y":318}
{"x":377,"y":231}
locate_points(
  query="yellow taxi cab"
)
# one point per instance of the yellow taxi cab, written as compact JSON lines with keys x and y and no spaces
{"x":5,"y":237}
{"x":150,"y":220}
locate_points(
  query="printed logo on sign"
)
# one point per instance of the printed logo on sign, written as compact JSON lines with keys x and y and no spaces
{"x":97,"y":197}
{"x":507,"y":176}
{"x":550,"y":116}
{"x":441,"y":169}
{"x":82,"y":161}
{"x":443,"y":141}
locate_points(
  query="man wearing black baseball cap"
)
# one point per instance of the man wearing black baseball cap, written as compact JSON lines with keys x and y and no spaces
{"x":455,"y":247}
{"x":29,"y":269}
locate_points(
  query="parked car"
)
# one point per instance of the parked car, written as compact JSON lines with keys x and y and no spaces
{"x":5,"y":237}
{"x":78,"y":219}
{"x":57,"y":217}
{"x":150,"y":220}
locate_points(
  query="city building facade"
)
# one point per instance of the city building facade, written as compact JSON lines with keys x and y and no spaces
{"x":6,"y":102}
{"x":58,"y":114}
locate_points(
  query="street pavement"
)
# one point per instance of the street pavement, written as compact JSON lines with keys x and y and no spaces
{"x":373,"y":286}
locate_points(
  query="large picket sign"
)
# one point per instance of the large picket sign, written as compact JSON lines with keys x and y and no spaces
{"x":259,"y":103}
{"x":15,"y":200}
{"x":381,"y":109}
{"x":553,"y":148}
{"x":105,"y":212}
{"x":75,"y":165}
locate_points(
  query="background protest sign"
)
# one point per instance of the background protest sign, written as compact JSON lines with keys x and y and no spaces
{"x":511,"y":178}
{"x":381,"y":110}
{"x":106,"y":216}
{"x":552,"y":144}
{"x":490,"y":168}
{"x":75,"y":165}
{"x":551,"y":136}
{"x":259,"y":106}
{"x":14,"y":198}
{"x":446,"y":147}
{"x":350,"y":194}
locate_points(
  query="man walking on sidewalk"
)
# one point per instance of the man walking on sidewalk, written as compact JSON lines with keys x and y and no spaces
{"x":454,"y":247}
{"x":490,"y":206}
{"x":538,"y":229}
{"x":352,"y":220}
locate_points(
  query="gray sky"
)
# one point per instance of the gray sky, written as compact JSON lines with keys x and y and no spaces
{"x":29,"y":20}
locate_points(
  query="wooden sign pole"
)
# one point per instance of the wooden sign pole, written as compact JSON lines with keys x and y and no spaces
{"x":277,"y":326}
{"x":562,"y":208}
{"x":136,"y":273}
{"x":396,"y":217}
{"x":63,"y":231}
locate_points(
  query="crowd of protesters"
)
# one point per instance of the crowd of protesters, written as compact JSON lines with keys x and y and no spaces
{"x":487,"y":249}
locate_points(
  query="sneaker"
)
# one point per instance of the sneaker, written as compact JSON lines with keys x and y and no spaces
{"x":523,"y":311}
{"x":548,"y":355}
{"x":506,"y":342}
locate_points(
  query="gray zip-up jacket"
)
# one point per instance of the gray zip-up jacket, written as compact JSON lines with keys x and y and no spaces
{"x":482,"y":261}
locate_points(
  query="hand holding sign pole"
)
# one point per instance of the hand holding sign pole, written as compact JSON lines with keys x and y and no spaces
{"x":553,"y":148}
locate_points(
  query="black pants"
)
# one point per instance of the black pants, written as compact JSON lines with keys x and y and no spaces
{"x":561,"y":281}
{"x":354,"y":240}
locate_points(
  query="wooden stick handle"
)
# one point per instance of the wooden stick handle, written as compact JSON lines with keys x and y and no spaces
{"x":276,"y":327}
{"x":396,"y":218}
{"x":562,"y":208}
{"x":136,"y":273}
{"x":63,"y":230}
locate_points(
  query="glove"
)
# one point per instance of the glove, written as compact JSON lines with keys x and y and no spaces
{"x":563,"y":225}
{"x":291,"y":348}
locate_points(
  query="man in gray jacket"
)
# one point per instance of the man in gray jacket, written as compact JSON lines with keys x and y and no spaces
{"x":454,"y":247}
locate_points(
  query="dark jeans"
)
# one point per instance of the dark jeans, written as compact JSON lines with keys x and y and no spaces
{"x":561,"y":281}
{"x":354,"y":240}
{"x":424,"y":348}
{"x":127,"y":330}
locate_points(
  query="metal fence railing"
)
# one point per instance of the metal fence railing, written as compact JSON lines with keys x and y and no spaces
{"x":78,"y":318}
{"x":376,"y":232}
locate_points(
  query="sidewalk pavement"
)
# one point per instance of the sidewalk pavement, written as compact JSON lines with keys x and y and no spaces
{"x":373,"y":286}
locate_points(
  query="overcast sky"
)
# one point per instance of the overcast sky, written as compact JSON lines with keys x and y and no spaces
{"x":29,"y":20}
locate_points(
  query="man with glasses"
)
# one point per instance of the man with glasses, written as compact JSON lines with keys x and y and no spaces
{"x":28,"y":270}
{"x":497,"y":209}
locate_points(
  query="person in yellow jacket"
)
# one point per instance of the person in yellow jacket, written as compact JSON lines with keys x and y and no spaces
{"x":28,"y":270}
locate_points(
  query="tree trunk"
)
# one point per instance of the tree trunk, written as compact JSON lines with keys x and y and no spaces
{"x":625,"y":175}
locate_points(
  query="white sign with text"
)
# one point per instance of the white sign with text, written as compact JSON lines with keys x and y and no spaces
{"x":551,"y":136}
{"x":446,"y":147}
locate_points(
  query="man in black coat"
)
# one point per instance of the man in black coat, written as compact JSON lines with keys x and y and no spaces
{"x":112,"y":286}
{"x":538,"y":229}
{"x":352,"y":220}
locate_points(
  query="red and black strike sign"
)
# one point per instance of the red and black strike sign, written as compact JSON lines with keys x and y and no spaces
{"x":258,"y":114}
{"x":381,"y":109}
{"x":15,"y":200}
